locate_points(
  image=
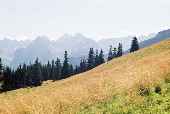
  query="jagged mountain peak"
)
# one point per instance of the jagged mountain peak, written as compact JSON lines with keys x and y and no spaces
{"x":41,"y":39}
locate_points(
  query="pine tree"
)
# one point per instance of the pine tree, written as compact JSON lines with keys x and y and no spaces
{"x":101,"y":57}
{"x":120,"y":50}
{"x":7,"y":80}
{"x":21,"y":76}
{"x":18,"y":76}
{"x":71,"y":70}
{"x":114,"y":52}
{"x":29,"y":75}
{"x":44,"y":73}
{"x":83,"y":65}
{"x":110,"y":54}
{"x":91,"y":61}
{"x":76,"y":70}
{"x":48,"y":76}
{"x":97,"y":61}
{"x":65,"y":68}
{"x":1,"y":67}
{"x":58,"y":69}
{"x":134,"y":45}
{"x":1,"y":70}
{"x":36,"y":76}
{"x":24,"y":71}
{"x":52,"y":73}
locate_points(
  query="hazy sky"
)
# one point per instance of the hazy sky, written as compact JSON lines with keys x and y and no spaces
{"x":94,"y":18}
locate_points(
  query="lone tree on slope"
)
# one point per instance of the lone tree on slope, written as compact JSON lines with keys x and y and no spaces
{"x":134,"y":45}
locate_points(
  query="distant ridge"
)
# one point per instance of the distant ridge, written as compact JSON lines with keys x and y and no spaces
{"x":163,"y":35}
{"x":17,"y":52}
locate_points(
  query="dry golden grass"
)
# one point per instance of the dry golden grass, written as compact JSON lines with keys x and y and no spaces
{"x":145,"y":67}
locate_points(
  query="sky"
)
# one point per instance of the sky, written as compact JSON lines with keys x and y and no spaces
{"x":97,"y":19}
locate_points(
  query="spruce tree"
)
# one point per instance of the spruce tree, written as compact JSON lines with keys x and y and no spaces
{"x":48,"y":76}
{"x":119,"y":50}
{"x":101,"y":57}
{"x":110,"y":54}
{"x":24,"y":71}
{"x":71,"y":70}
{"x":1,"y":70}
{"x":20,"y":77}
{"x":97,"y":61}
{"x":76,"y":70}
{"x":7,"y":80}
{"x":83,"y":65}
{"x":52,"y":73}
{"x":44,"y":73}
{"x":91,"y":61}
{"x":134,"y":45}
{"x":65,"y":68}
{"x":36,"y":76}
{"x":1,"y":67}
{"x":29,"y":75}
{"x":58,"y":69}
{"x":114,"y":52}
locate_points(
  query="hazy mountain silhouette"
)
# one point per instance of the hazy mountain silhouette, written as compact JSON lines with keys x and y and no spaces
{"x":40,"y":48}
{"x":159,"y":37}
{"x":18,"y":52}
{"x":8,"y":48}
{"x":77,"y":46}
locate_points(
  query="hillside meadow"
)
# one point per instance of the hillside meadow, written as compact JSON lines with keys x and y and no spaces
{"x":111,"y":88}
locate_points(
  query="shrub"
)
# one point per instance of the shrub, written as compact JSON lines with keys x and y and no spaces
{"x":144,"y":91}
{"x":158,"y":89}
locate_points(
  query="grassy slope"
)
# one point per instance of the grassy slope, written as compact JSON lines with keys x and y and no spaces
{"x":120,"y":76}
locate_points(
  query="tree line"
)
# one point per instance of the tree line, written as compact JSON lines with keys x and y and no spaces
{"x":34,"y":74}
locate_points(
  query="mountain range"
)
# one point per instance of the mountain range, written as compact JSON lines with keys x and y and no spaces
{"x":15,"y":52}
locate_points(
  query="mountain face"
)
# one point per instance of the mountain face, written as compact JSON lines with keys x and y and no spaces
{"x":8,"y":48}
{"x":77,"y":46}
{"x":17,"y":52}
{"x":40,"y":48}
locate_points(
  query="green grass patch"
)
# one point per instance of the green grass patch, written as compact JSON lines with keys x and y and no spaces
{"x":152,"y":103}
